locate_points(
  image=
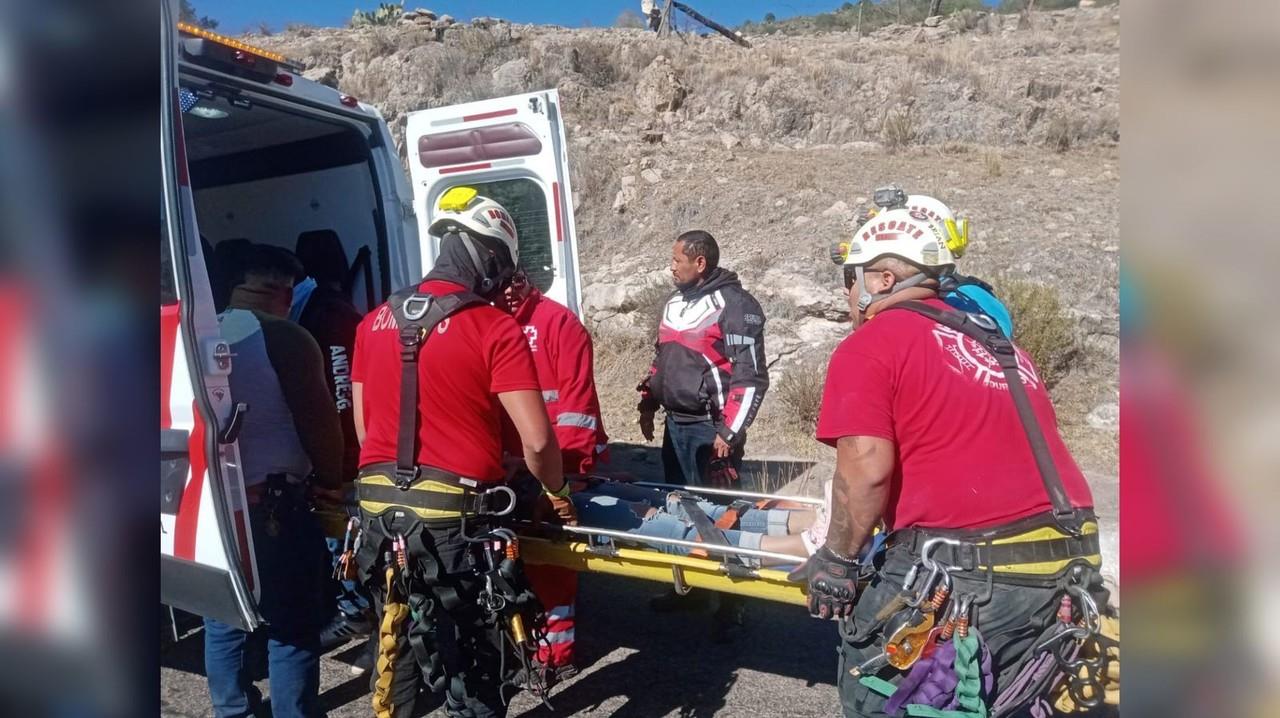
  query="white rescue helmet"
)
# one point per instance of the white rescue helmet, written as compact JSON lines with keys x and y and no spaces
{"x":908,"y":235}
{"x":465,"y":209}
{"x":956,"y":233}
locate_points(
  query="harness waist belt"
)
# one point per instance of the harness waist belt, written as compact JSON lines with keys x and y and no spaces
{"x":1041,"y":551}
{"x":436,"y":494}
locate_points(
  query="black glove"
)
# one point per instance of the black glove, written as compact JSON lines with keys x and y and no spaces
{"x":833,"y":584}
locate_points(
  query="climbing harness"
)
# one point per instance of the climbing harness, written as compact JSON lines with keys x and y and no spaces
{"x":479,"y":605}
{"x":949,"y":669}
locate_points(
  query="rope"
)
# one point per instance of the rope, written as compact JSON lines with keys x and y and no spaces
{"x":394,"y":613}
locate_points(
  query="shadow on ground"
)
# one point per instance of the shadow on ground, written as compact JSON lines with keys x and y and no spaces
{"x":644,"y":463}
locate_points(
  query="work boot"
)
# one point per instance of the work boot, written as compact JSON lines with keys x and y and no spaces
{"x":728,"y":619}
{"x":343,"y":628}
{"x":546,"y":678}
{"x":672,"y":602}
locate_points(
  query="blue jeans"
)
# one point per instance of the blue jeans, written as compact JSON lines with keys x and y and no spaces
{"x":686,"y":451}
{"x":623,"y":507}
{"x":291,"y":570}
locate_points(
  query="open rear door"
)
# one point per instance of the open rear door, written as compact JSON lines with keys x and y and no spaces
{"x":511,"y":149}
{"x":206,"y":559}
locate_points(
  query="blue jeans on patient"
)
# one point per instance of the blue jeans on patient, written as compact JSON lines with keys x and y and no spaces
{"x":622,"y":507}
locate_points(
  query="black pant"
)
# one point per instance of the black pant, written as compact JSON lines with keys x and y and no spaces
{"x":1009,"y":624}
{"x":462,"y":649}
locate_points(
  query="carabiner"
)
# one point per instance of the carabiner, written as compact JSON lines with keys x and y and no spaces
{"x":927,"y":548}
{"x":511,"y":499}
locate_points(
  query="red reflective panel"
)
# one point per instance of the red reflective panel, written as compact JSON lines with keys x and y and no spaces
{"x":479,"y":144}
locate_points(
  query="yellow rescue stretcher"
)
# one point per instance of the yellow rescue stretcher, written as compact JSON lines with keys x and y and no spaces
{"x":608,"y":551}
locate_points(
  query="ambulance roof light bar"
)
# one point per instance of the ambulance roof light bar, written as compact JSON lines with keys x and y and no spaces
{"x":237,"y":45}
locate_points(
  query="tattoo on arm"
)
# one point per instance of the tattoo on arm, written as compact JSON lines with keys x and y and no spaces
{"x":841,"y":528}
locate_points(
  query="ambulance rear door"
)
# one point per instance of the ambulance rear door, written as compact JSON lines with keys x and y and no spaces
{"x":206,"y":557}
{"x":511,"y":149}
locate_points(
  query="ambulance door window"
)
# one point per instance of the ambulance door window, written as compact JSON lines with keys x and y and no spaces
{"x":526,"y":202}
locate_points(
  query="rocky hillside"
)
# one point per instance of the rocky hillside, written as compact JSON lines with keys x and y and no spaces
{"x":775,"y":150}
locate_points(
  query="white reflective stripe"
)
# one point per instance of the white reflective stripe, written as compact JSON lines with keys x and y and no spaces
{"x":743,"y":409}
{"x":738,"y":340}
{"x":715,"y":374}
{"x":557,"y":637}
{"x":551,"y":395}
{"x":560,"y":613}
{"x":582,"y":421}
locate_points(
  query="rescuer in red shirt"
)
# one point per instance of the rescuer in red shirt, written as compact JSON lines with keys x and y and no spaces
{"x":563,"y":357}
{"x":423,"y":475}
{"x":945,"y":435}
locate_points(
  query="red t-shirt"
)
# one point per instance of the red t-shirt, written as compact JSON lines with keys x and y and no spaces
{"x":465,"y":363}
{"x":963,"y":459}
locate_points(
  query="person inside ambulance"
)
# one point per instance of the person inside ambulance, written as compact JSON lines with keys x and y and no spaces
{"x":944,"y":432}
{"x":290,"y":433}
{"x":436,"y":368}
{"x":324,"y":308}
{"x":564,"y":359}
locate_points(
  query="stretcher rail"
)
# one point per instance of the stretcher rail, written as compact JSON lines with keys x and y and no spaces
{"x":657,"y":540}
{"x":727,"y":492}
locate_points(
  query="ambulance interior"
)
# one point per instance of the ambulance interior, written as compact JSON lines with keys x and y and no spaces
{"x":277,"y":175}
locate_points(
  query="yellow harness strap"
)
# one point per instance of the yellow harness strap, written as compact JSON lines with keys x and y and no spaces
{"x":394,"y":613}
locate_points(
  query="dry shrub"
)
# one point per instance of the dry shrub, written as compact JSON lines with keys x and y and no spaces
{"x":899,"y":128}
{"x":991,"y":161}
{"x":622,"y":358}
{"x":800,"y":391}
{"x":596,"y":62}
{"x":1041,"y":327}
{"x":1062,"y":131}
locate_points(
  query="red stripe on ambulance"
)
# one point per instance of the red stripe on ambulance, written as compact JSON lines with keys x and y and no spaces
{"x":489,"y":115}
{"x":466,"y":168}
{"x":169,"y":316}
{"x":188,"y":519}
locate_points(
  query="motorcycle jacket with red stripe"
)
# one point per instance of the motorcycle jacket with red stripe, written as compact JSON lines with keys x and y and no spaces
{"x":562,"y":354}
{"x":710,"y":362}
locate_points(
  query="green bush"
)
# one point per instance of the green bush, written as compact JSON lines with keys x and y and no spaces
{"x":1041,"y":327}
{"x":384,"y":14}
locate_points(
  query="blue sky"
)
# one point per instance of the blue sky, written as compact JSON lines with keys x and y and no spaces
{"x":238,"y":15}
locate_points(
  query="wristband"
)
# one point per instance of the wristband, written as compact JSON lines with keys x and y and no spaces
{"x":563,"y":493}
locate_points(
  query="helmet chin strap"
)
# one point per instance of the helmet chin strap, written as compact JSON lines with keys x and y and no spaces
{"x":866,"y":299}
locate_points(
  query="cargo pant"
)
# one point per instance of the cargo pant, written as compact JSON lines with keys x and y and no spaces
{"x":460,"y":643}
{"x":1009,"y":623}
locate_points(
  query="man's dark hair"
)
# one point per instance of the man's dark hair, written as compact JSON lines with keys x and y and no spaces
{"x":700,"y":243}
{"x":276,"y":263}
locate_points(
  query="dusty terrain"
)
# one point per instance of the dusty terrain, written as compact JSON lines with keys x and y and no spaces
{"x":775,"y":150}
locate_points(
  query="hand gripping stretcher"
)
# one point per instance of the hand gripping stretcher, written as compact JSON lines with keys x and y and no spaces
{"x":621,"y":553}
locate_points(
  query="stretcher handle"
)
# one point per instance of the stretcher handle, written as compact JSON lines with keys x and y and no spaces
{"x":728,"y":492}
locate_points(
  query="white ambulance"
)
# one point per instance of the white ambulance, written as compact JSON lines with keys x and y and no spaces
{"x":252,"y":150}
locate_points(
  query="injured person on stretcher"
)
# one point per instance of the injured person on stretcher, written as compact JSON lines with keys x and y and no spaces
{"x":777,"y":525}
